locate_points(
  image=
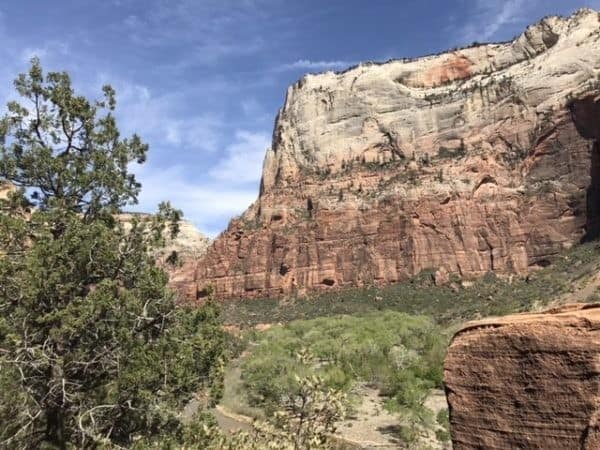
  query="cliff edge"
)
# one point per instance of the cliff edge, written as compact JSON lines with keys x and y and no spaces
{"x":476,"y":160}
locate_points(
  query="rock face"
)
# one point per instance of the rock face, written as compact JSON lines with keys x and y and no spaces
{"x":189,"y":244}
{"x":5,"y":190}
{"x":529,"y":381}
{"x":476,"y":160}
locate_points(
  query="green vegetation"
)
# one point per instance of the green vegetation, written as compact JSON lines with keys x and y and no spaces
{"x":454,"y":303}
{"x":305,"y":421}
{"x":373,"y":336}
{"x":399,"y":354}
{"x":443,"y":419}
{"x":93,"y":351}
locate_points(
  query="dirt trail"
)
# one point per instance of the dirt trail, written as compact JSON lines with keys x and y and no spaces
{"x":231,"y":422}
{"x":370,"y":428}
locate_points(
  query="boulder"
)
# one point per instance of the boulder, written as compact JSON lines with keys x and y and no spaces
{"x":528,"y":381}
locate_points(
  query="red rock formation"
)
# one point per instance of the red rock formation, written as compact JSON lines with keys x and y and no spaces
{"x":483,"y":159}
{"x":528,"y":381}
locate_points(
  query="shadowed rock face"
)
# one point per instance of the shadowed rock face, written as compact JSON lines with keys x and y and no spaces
{"x":586,"y":117}
{"x":529,"y":381}
{"x":476,"y":160}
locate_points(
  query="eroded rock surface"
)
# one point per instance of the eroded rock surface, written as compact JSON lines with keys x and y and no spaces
{"x":189,"y":245}
{"x":529,"y":381}
{"x":476,"y":160}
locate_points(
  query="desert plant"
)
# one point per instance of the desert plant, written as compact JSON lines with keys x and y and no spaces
{"x":306,"y":421}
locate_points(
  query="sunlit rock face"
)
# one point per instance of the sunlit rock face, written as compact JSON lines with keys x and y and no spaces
{"x":527,"y":381}
{"x":188,"y":246}
{"x":475,"y":160}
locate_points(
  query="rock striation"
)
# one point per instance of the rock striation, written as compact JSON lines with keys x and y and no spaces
{"x":529,"y":381}
{"x":480,"y":159}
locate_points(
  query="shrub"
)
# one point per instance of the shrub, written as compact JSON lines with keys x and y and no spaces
{"x":93,"y":350}
{"x":386,"y":349}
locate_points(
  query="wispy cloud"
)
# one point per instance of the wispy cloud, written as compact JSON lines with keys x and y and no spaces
{"x":51,"y":50}
{"x":208,"y":198}
{"x":209,"y":30}
{"x":203,"y":201}
{"x":159,"y":118}
{"x":488,"y":17}
{"x":244,"y":158}
{"x":201,"y":81}
{"x":306,"y":64}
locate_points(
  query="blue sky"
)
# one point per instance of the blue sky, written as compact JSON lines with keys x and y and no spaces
{"x":201,"y":81}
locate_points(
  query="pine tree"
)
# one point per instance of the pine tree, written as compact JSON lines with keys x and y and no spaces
{"x":93,"y":348}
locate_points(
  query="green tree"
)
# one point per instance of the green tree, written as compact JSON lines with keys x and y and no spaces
{"x":93,"y":349}
{"x":306,"y":421}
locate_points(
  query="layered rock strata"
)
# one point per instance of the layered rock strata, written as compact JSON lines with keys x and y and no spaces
{"x":529,"y":381}
{"x":476,"y":160}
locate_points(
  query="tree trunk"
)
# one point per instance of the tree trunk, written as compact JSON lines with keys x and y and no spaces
{"x":55,"y":428}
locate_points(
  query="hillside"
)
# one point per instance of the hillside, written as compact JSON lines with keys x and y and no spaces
{"x":348,"y":321}
{"x":478,"y":160}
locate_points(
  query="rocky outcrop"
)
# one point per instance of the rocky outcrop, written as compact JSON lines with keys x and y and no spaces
{"x":5,"y":190}
{"x":476,"y":160}
{"x":189,"y":245}
{"x":529,"y":381}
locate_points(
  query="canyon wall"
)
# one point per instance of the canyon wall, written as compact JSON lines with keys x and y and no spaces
{"x":480,"y":159}
{"x":526,"y":381}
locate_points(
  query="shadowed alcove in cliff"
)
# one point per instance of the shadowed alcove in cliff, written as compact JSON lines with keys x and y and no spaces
{"x":586,"y":116}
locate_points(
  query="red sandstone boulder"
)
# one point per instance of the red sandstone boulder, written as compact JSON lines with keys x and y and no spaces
{"x":527,"y":381}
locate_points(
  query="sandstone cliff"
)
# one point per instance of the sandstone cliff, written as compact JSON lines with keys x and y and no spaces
{"x":480,"y":159}
{"x":189,"y":245}
{"x":189,"y":242}
{"x":526,"y":381}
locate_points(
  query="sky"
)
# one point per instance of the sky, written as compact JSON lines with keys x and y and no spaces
{"x":202,"y":80}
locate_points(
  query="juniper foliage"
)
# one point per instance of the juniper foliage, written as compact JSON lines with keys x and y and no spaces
{"x":94,"y":350}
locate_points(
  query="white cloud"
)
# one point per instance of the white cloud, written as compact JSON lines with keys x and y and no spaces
{"x":157,"y":118}
{"x":306,"y":64}
{"x":50,"y":51}
{"x":198,"y":133}
{"x":209,"y":198}
{"x":490,"y":16}
{"x":243,"y":160}
{"x":203,"y":202}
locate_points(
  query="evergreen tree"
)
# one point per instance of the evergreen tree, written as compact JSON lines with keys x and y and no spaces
{"x":93,"y":349}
